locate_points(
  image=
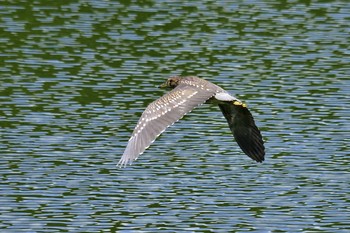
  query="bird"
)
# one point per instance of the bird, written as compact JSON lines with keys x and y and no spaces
{"x":189,"y":92}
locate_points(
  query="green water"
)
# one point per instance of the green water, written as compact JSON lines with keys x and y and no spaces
{"x":76,"y":75}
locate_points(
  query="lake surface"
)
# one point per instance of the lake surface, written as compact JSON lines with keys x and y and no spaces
{"x":76,"y":76}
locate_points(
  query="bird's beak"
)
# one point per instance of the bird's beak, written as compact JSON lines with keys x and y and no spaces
{"x":163,"y":85}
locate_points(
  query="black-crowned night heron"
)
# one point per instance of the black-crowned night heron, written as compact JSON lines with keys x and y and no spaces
{"x":188,"y":93}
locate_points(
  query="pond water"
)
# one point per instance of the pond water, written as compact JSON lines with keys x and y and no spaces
{"x":76,"y":76}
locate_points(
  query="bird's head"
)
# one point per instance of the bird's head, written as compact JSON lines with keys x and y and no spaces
{"x":171,"y":82}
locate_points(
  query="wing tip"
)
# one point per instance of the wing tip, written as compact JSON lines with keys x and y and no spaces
{"x":255,"y":149}
{"x":124,"y":161}
{"x":259,"y":158}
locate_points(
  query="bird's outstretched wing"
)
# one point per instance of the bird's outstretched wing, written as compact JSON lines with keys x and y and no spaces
{"x":244,"y":130}
{"x":160,"y":114}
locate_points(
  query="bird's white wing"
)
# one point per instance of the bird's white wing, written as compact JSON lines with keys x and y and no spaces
{"x":160,"y":114}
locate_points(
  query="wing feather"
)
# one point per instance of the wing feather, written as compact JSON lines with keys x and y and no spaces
{"x":244,"y":130}
{"x":159,"y":115}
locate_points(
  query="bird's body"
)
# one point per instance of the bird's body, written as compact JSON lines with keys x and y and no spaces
{"x":188,"y":93}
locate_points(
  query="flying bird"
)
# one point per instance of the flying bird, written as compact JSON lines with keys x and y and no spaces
{"x":188,"y":93}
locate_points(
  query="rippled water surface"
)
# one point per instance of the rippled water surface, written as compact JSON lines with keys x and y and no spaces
{"x":76,"y":76}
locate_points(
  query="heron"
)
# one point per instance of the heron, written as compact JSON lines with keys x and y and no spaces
{"x":189,"y":92}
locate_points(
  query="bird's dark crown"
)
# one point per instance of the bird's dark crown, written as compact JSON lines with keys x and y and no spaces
{"x":171,"y":82}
